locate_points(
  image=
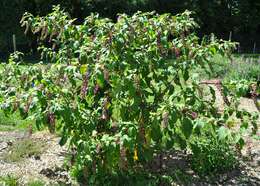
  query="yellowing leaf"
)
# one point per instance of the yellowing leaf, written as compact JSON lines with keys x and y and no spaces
{"x":83,"y":69}
{"x":135,"y":155}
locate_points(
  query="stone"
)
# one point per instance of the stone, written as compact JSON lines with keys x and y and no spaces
{"x":3,"y":146}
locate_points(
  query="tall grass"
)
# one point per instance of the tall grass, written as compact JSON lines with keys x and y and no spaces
{"x":238,"y":67}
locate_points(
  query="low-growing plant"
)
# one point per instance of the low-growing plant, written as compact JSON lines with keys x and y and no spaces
{"x":234,"y":68}
{"x":23,"y":149}
{"x":211,"y":156}
{"x":239,"y":87}
{"x":14,"y":122}
{"x":6,"y":121}
{"x":241,"y":68}
{"x":36,"y":183}
{"x":238,"y":73}
{"x":220,"y":67}
{"x":9,"y":180}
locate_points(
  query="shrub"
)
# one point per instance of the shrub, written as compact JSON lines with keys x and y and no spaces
{"x":121,"y":90}
{"x":211,"y":156}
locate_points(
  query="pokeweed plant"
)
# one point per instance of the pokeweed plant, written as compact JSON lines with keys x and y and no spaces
{"x":122,"y":90}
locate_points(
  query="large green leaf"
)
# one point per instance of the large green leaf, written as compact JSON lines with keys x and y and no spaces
{"x":187,"y":127}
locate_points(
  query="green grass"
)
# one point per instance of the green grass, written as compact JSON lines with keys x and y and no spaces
{"x":23,"y":149}
{"x":14,"y":122}
{"x":36,"y":183}
{"x":247,"y":55}
{"x":9,"y":180}
{"x":242,"y":66}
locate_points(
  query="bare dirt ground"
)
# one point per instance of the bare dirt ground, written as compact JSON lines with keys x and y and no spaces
{"x":49,"y":166}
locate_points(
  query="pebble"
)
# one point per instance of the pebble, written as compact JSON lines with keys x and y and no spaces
{"x":3,"y":146}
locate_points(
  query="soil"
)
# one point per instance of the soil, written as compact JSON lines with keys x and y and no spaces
{"x":49,"y":166}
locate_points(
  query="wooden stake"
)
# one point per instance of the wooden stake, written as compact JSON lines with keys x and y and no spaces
{"x":14,"y":42}
{"x":230,"y":35}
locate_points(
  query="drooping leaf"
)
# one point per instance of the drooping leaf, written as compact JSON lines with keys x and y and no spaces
{"x":186,"y":127}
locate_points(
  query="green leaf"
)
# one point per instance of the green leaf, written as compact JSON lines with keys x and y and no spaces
{"x":186,"y":75}
{"x":63,"y":139}
{"x":156,"y":134}
{"x":38,"y":123}
{"x":213,"y":93}
{"x":213,"y":50}
{"x":241,"y":142}
{"x":180,"y":141}
{"x":150,"y":99}
{"x":173,"y":117}
{"x":100,"y":80}
{"x":199,"y":125}
{"x":223,"y":133}
{"x":187,"y":127}
{"x":149,"y":90}
{"x":83,"y":69}
{"x":116,"y":112}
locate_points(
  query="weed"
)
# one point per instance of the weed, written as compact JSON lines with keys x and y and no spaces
{"x":36,"y":183}
{"x":23,"y":149}
{"x":9,"y":180}
{"x":235,"y":68}
{"x":242,"y":68}
{"x":211,"y":156}
{"x":13,"y":122}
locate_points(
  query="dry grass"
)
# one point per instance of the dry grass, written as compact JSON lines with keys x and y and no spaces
{"x":23,"y":149}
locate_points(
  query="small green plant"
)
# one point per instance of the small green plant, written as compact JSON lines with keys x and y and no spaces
{"x":36,"y":183}
{"x":17,"y":56}
{"x":14,"y":122}
{"x":239,"y":87}
{"x":232,"y":68}
{"x":9,"y":180}
{"x":242,"y":68}
{"x":211,"y":155}
{"x":23,"y":149}
{"x":220,"y":66}
{"x":6,"y":124}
